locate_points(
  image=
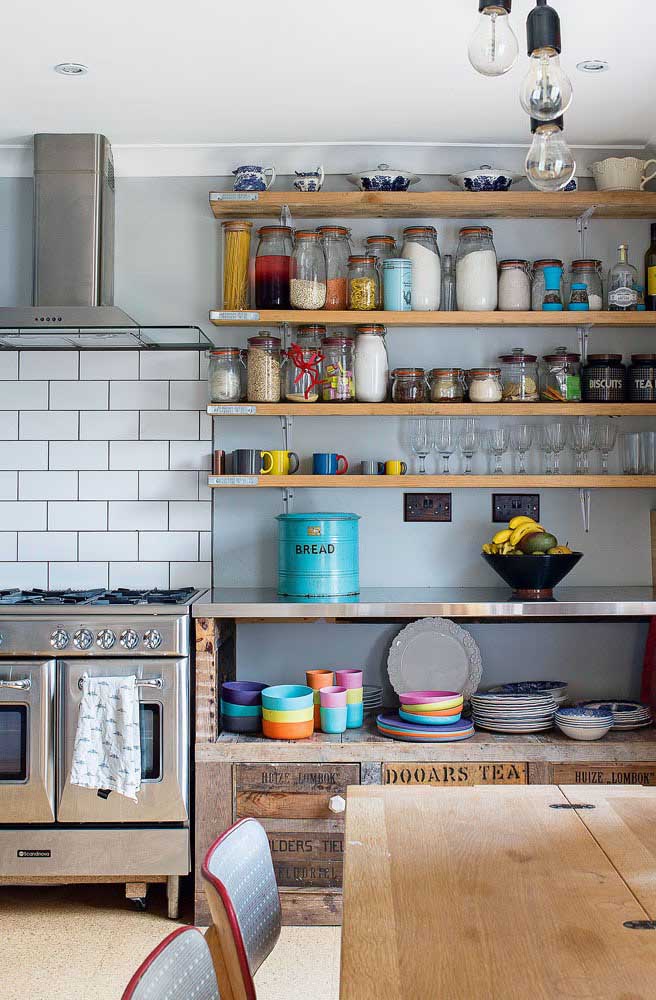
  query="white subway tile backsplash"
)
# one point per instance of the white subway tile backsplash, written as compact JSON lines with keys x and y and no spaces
{"x":138,"y":395}
{"x":35,"y":546}
{"x":78,"y":455}
{"x":188,"y":516}
{"x":191,"y":455}
{"x":9,"y":486}
{"x":81,"y":516}
{"x":59,"y":425}
{"x":109,"y":485}
{"x":139,"y":574}
{"x":204,"y":365}
{"x":23,"y":517}
{"x":24,"y":575}
{"x":188,"y":395}
{"x":109,"y":425}
{"x":109,"y":364}
{"x":205,"y":426}
{"x":157,"y":426}
{"x":78,"y":395}
{"x":139,"y":455}
{"x":24,"y":396}
{"x":83,"y":575}
{"x":47,"y":485}
{"x":191,"y":574}
{"x":168,"y":545}
{"x":169,"y":364}
{"x":49,"y":364}
{"x":109,"y":545}
{"x":204,"y":491}
{"x":8,"y":545}
{"x":144,"y":515}
{"x":205,"y":546}
{"x":8,"y":365}
{"x":8,"y":425}
{"x":23,"y":455}
{"x":168,"y":486}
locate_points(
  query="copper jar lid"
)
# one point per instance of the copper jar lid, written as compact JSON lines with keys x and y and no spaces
{"x":503,"y":264}
{"x":275,"y":230}
{"x":333,"y":231}
{"x":362,"y":259}
{"x":437,"y":372}
{"x":387,"y":241}
{"x":548,"y":262}
{"x":221,"y":351}
{"x":476,"y":231}
{"x":408,"y":373}
{"x":420,"y":231}
{"x":371,"y":328}
{"x":638,"y":359}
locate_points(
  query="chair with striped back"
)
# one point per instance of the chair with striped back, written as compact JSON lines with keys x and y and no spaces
{"x":241,"y":890}
{"x":179,"y":968}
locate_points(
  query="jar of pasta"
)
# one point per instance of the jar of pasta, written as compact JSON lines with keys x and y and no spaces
{"x":236,"y":255}
{"x":363,"y":286}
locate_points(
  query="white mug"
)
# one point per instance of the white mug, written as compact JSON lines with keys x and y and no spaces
{"x":622,"y":173}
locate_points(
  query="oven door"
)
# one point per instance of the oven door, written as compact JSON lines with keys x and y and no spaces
{"x":164,"y":717}
{"x":27,"y":748}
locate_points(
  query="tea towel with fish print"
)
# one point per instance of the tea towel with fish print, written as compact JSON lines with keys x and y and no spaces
{"x":107,"y":750}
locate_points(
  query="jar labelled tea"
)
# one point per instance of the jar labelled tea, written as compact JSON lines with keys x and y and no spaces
{"x":642,"y":378}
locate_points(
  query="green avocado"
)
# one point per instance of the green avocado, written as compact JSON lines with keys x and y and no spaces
{"x":537,"y":543}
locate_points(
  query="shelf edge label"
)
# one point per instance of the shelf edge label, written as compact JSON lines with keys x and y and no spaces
{"x":235,"y":196}
{"x":233,"y":480}
{"x":235,"y":317}
{"x":224,"y":410}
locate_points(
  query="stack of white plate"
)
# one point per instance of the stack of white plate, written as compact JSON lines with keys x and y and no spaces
{"x":557,"y":689}
{"x":626,"y":714}
{"x":513,"y":713}
{"x":372,"y":698}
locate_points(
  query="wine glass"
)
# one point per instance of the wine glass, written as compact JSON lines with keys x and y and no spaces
{"x":546,"y":447}
{"x":498,"y":441}
{"x":605,"y":438}
{"x":420,"y":441}
{"x":469,"y":441}
{"x":444,"y":440}
{"x":521,"y":440}
{"x":582,"y":442}
{"x":558,"y":438}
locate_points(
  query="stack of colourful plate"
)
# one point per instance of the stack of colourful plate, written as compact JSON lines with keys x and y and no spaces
{"x":241,"y":706}
{"x":431,"y":708}
{"x":288,"y":712}
{"x":626,"y":714}
{"x":513,"y":713}
{"x":393,"y":726}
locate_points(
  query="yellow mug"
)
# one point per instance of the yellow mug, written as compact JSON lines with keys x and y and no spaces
{"x":395,"y":468}
{"x":283,"y":463}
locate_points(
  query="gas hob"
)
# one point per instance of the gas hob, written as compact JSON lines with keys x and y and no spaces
{"x":95,"y":598}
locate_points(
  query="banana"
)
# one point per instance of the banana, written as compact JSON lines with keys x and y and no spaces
{"x":524,"y":529}
{"x":516,"y":521}
{"x":502,"y":536}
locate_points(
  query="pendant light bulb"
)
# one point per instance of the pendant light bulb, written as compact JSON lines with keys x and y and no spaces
{"x":550,"y":164}
{"x":493,"y":48}
{"x":546,"y":92}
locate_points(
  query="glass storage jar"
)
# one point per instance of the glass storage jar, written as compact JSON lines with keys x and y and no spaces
{"x":225,"y":377}
{"x":447,"y":385}
{"x":642,"y":378}
{"x":409,"y":385}
{"x":560,"y":380}
{"x":301,"y":367}
{"x":519,"y":377}
{"x":272,"y":259}
{"x":589,"y":272}
{"x":371,"y":365}
{"x":538,"y":287}
{"x":484,"y":385}
{"x":421,"y":249}
{"x":337,"y":249}
{"x":363,"y":283}
{"x":337,"y":372}
{"x":578,"y":297}
{"x":307,"y":271}
{"x":236,"y":257}
{"x":514,"y":286}
{"x":263,"y":369}
{"x":382,"y":248}
{"x":243,"y":372}
{"x":476,"y":270}
{"x":603,"y":379}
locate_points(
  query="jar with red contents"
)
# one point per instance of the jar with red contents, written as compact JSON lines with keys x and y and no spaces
{"x":301,"y":368}
{"x":337,"y":248}
{"x":272,"y":267}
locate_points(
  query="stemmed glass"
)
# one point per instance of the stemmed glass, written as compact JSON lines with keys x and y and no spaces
{"x":444,"y":440}
{"x":546,"y":447}
{"x":497,"y":442}
{"x":469,"y":441}
{"x":582,"y":442}
{"x":605,"y":438}
{"x":419,"y":433}
{"x":521,"y":440}
{"x":558,"y":438}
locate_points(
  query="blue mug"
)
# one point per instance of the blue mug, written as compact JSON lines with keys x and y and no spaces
{"x":327,"y":463}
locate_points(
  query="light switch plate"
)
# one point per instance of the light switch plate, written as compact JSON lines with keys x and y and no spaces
{"x":505,"y":506}
{"x":427,"y":508}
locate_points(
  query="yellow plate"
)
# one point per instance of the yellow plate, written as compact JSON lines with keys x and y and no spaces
{"x":432,"y":706}
{"x":294,"y":715}
{"x":354,"y":696}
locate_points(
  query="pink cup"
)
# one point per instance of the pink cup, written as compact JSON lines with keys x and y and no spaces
{"x":349,"y":678}
{"x":333,"y":697}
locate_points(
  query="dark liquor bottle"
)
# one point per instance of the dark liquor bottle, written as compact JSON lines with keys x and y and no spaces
{"x":650,"y":271}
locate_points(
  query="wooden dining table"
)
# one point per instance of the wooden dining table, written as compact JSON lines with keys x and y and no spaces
{"x":499,"y":893}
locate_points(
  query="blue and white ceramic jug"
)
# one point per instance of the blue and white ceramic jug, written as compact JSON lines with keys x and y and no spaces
{"x":253,"y":178}
{"x":310,"y":180}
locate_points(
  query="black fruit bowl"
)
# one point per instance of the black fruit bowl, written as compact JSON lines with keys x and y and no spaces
{"x":533,"y":578}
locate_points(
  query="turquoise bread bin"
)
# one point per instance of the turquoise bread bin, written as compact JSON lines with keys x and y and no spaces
{"x":318,"y":555}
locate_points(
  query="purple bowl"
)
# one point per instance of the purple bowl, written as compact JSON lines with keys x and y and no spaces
{"x":243,"y":692}
{"x":241,"y":724}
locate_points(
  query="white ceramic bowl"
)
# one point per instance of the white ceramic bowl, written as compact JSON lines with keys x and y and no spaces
{"x":587,"y":734}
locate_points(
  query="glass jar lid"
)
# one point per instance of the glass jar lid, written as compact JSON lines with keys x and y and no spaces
{"x":264,"y":340}
{"x":237,"y":225}
{"x":372,"y":328}
{"x":476,"y":231}
{"x":307,"y":234}
{"x":586,"y":264}
{"x":485,"y":372}
{"x":362,"y":259}
{"x":445,"y":372}
{"x":561,"y":354}
{"x":275,"y":231}
{"x":430,"y":231}
{"x":642,"y":359}
{"x":337,"y":231}
{"x":408,"y":373}
{"x":387,"y":241}
{"x":596,"y":358}
{"x":547,"y":262}
{"x":518,"y":356}
{"x":311,"y":330}
{"x":226,"y":352}
{"x":506,"y":264}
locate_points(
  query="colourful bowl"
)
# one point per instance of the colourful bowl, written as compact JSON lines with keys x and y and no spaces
{"x":333,"y":720}
{"x":243,"y":692}
{"x":287,"y":730}
{"x":333,"y":697}
{"x":299,"y":715}
{"x":439,"y":713}
{"x":354,"y":696}
{"x":429,"y":720}
{"x":317,"y":679}
{"x":240,"y":711}
{"x":287,"y":697}
{"x":349,"y":678}
{"x":428,"y":697}
{"x":241,"y":724}
{"x":354,"y":716}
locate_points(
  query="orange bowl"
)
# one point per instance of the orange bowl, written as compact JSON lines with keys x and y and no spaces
{"x":441,"y":713}
{"x":287,"y":730}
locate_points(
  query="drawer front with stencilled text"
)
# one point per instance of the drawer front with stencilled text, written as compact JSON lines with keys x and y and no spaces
{"x":310,"y":859}
{"x":444,"y":774}
{"x":581,"y":773}
{"x":291,"y":791}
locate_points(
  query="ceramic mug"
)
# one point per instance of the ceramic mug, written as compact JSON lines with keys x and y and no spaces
{"x":326,"y":463}
{"x":253,"y":178}
{"x":369,"y":467}
{"x":395,"y":468}
{"x":249,"y":462}
{"x":622,"y":173}
{"x":283,"y":463}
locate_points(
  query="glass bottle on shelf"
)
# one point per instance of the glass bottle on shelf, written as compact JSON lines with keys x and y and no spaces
{"x":301,"y":367}
{"x":272,"y":267}
{"x":337,"y":248}
{"x":307,"y":271}
{"x":448,"y":284}
{"x":650,"y":272}
{"x":622,"y":281}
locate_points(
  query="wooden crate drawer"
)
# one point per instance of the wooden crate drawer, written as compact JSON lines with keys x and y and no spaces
{"x":445,"y":774}
{"x":291,"y":791}
{"x":582,"y":773}
{"x":307,"y":859}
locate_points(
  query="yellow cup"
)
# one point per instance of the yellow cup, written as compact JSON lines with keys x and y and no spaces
{"x":294,"y":715}
{"x":283,"y":463}
{"x":354,"y":696}
{"x":395,"y":468}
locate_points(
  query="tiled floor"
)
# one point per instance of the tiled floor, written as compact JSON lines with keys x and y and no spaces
{"x":79,"y":942}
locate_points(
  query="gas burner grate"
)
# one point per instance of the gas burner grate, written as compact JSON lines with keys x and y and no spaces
{"x":48,"y":598}
{"x":123,"y":595}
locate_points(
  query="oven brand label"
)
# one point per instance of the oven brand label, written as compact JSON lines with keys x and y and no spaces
{"x":33,"y":854}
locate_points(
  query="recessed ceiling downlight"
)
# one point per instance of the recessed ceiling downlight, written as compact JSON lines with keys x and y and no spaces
{"x":593,"y":66}
{"x":71,"y":69}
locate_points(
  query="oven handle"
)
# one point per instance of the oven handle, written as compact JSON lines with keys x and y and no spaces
{"x":24,"y":684}
{"x":151,"y":682}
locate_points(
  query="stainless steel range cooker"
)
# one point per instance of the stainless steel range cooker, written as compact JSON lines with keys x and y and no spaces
{"x":50,"y":829}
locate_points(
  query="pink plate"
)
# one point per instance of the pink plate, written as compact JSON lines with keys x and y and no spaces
{"x":425,"y":697}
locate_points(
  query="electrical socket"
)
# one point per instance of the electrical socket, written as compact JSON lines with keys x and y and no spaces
{"x":508,"y":505}
{"x":427,"y":507}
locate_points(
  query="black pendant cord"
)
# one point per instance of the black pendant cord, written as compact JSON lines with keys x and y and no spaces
{"x":543,"y":28}
{"x":558,"y":122}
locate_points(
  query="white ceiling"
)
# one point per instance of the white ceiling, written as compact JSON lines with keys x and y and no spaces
{"x":166,"y":72}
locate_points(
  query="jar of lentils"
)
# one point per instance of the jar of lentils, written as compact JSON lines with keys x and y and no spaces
{"x":409,"y":385}
{"x":538,"y":288}
{"x":307,"y":283}
{"x":225,"y":375}
{"x":263,"y":369}
{"x":561,"y":377}
{"x":447,"y":385}
{"x":604,"y":379}
{"x":337,"y":249}
{"x":363,"y":283}
{"x":514,"y":286}
{"x":642,"y":378}
{"x":337,"y":372}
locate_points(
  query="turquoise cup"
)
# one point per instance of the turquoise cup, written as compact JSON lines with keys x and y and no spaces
{"x":240,"y":711}
{"x":354,"y":715}
{"x":333,"y":720}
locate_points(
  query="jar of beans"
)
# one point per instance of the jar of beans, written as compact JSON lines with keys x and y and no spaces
{"x":447,"y":385}
{"x":337,"y":248}
{"x":363,"y":284}
{"x":263,"y":369}
{"x":307,"y":272}
{"x":409,"y":385}
{"x":337,"y":373}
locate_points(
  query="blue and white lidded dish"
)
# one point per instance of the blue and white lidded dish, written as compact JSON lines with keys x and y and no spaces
{"x":253,"y":178}
{"x":383,"y":178}
{"x":485,"y":178}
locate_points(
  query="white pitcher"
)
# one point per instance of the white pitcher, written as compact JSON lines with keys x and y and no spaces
{"x":622,"y":173}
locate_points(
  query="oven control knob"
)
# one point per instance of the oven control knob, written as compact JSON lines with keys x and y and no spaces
{"x":129,"y":638}
{"x":105,"y":638}
{"x":83,"y":638}
{"x":59,"y":638}
{"x":152,"y":638}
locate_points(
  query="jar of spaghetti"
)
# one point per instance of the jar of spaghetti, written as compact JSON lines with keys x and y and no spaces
{"x":272,"y":264}
{"x":236,"y":255}
{"x":337,"y":248}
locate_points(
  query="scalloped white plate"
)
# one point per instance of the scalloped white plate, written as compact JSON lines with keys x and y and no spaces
{"x":434,"y":654}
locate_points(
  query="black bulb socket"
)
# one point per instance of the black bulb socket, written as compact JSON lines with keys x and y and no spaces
{"x":536,"y":124}
{"x":543,"y":28}
{"x":484,"y":4}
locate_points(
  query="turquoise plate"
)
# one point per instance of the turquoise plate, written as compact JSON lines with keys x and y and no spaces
{"x":433,"y":720}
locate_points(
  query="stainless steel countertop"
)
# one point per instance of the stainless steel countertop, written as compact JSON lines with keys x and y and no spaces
{"x":451,"y":602}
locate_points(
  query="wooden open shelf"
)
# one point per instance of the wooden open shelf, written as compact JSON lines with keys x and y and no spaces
{"x":435,"y":204}
{"x":439,"y":483}
{"x":431,"y":409}
{"x":329,"y":317}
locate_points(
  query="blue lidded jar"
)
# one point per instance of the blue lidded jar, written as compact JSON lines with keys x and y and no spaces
{"x":578,"y":300}
{"x":397,"y":284}
{"x":552,"y":300}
